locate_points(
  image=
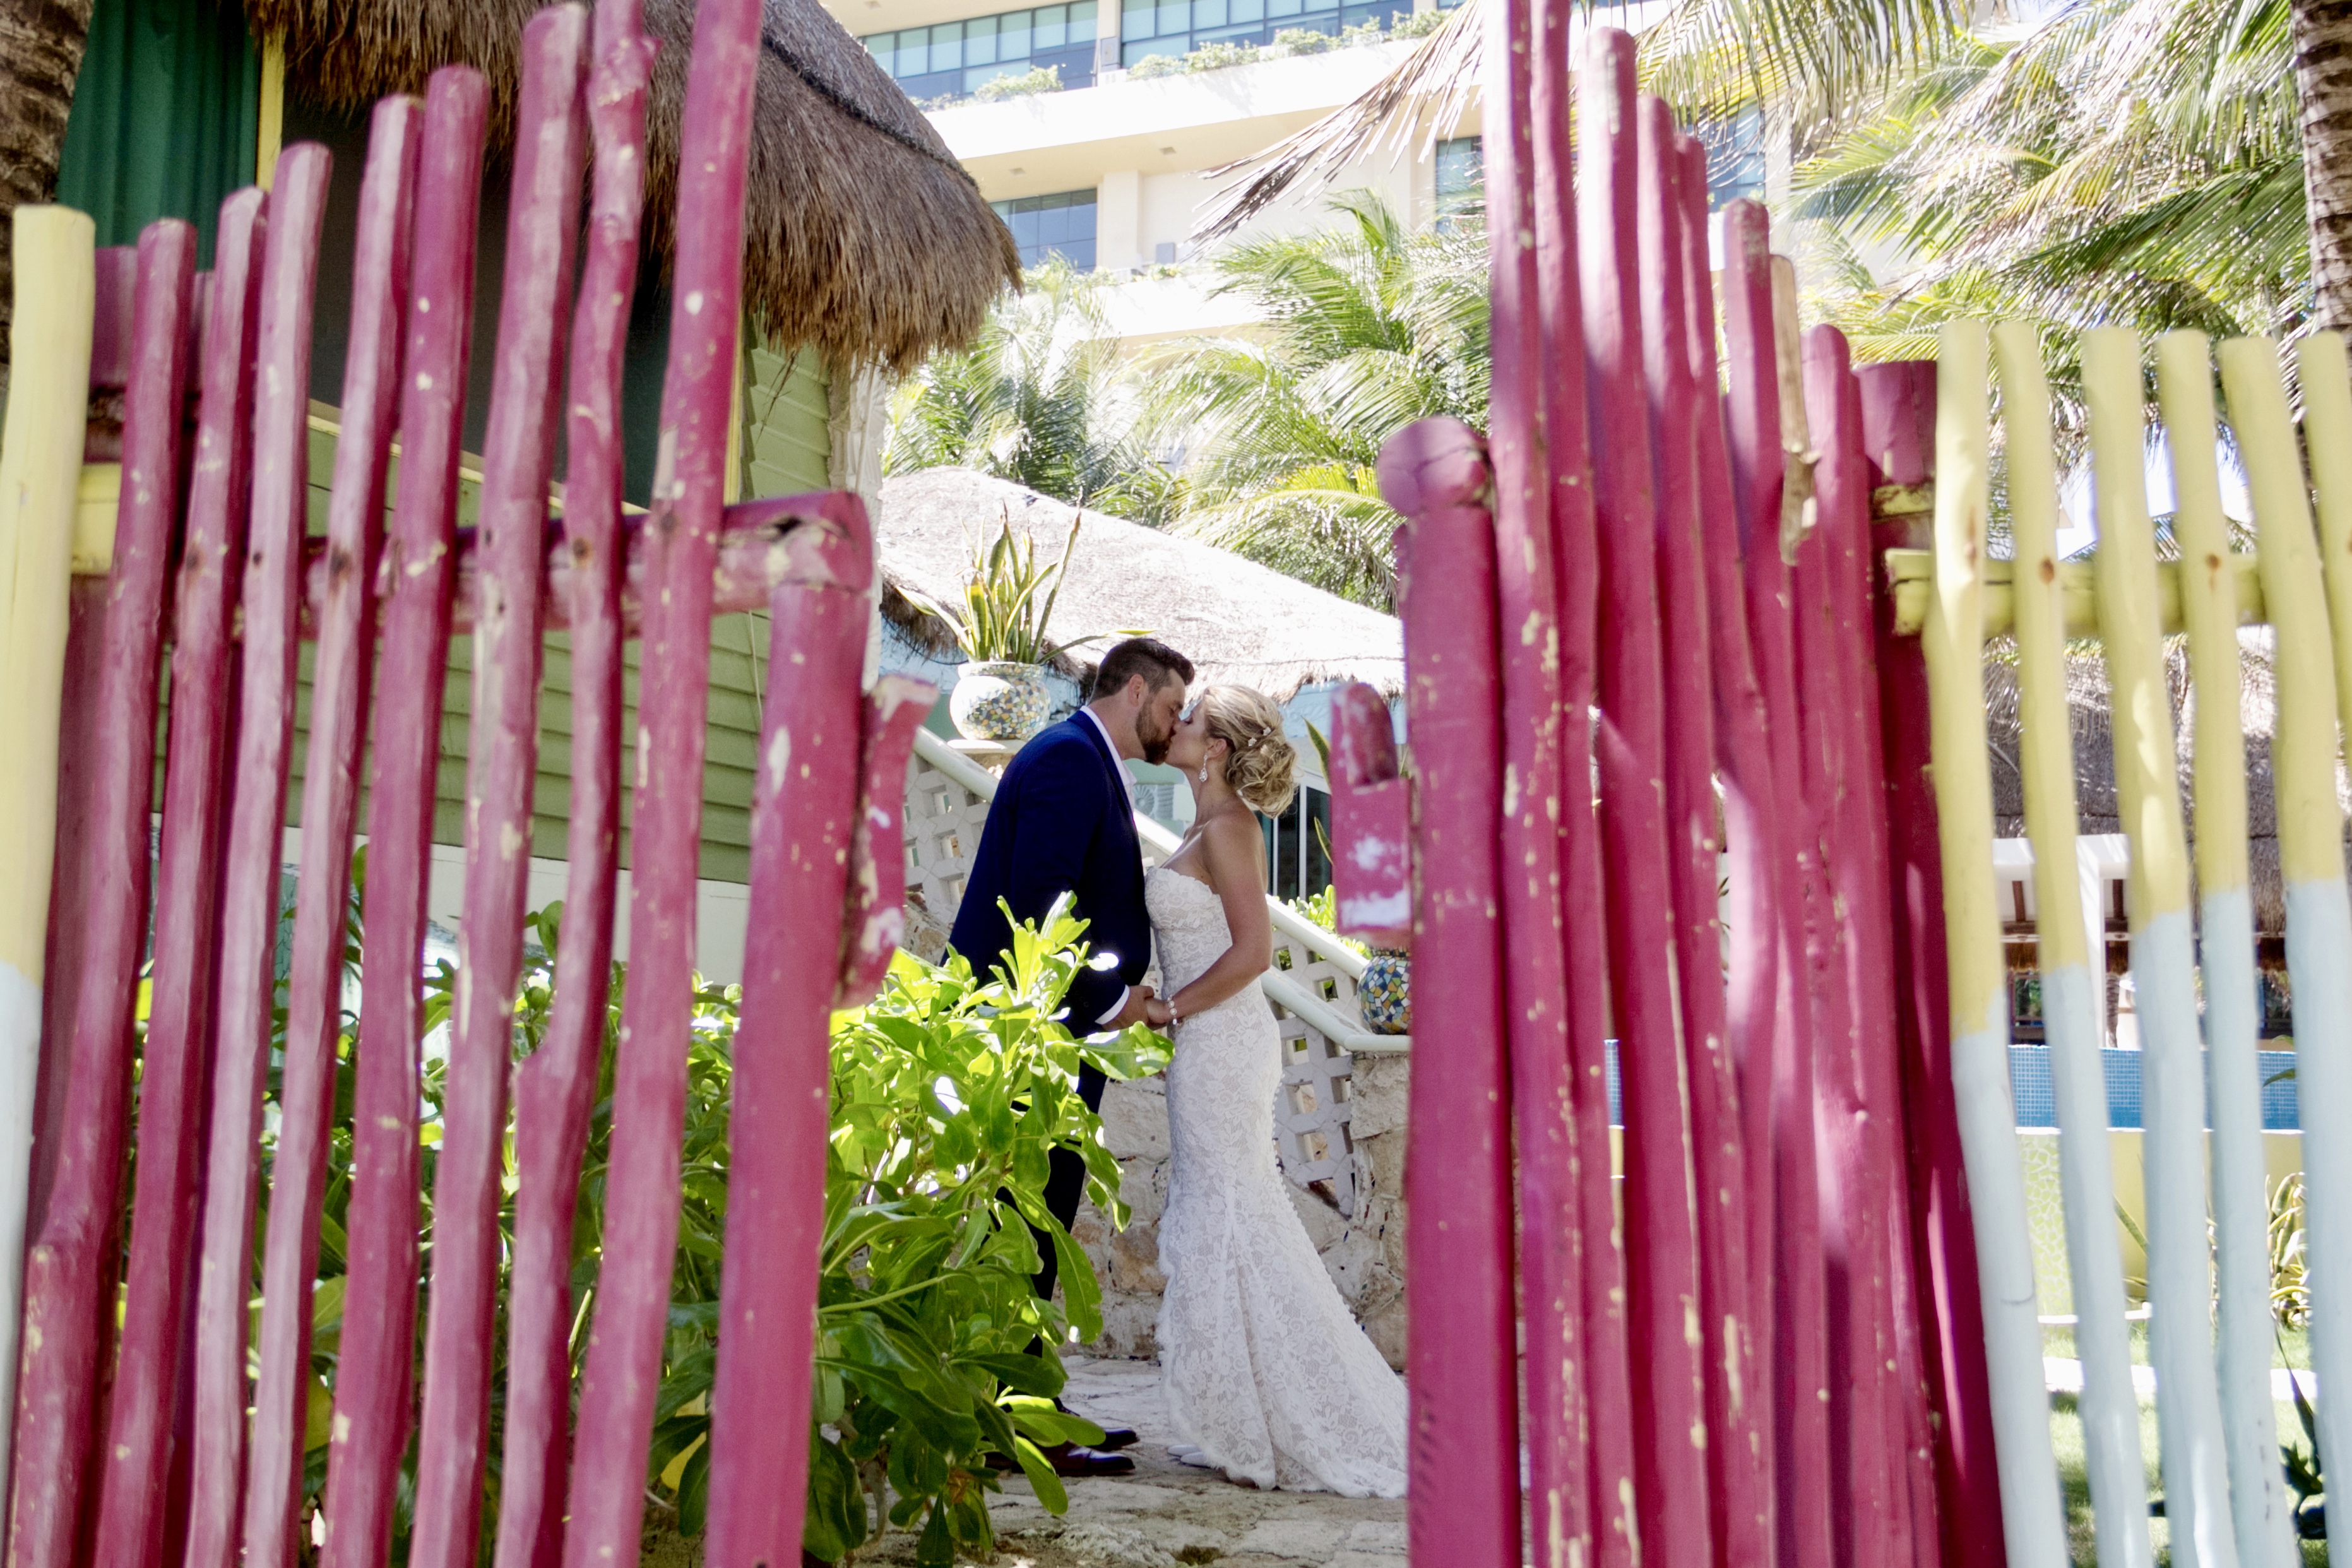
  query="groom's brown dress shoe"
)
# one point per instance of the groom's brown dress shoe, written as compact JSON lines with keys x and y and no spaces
{"x":1078,"y":1460}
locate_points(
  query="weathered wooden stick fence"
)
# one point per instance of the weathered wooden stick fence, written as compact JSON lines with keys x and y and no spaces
{"x":1786,"y":690}
{"x":174,"y":1472}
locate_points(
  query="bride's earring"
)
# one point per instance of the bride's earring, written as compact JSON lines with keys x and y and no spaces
{"x":1204,"y":769}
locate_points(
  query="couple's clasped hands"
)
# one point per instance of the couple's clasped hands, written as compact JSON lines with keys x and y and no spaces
{"x":1143,"y":1007}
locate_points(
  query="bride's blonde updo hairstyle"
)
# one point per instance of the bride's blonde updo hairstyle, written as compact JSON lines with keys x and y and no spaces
{"x":1260,"y":764}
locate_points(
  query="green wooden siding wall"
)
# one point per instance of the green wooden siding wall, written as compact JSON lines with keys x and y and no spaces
{"x":785,"y":450}
{"x":166,"y":113}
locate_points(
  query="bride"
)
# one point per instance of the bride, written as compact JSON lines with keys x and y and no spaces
{"x":1266,"y":1371}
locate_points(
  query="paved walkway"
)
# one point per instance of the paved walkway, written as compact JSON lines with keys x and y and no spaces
{"x":1167,"y":1513}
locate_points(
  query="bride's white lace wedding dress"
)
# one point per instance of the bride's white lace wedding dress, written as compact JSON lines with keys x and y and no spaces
{"x":1266,"y":1370}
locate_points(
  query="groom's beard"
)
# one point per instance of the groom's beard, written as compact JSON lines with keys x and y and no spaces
{"x":1155,"y":747}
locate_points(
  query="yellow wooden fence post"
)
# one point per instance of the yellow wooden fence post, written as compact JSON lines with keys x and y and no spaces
{"x":2311,"y":859}
{"x":2163,"y":961}
{"x":2069,"y":981}
{"x":40,"y":472}
{"x":2209,"y":610}
{"x":2033,"y":1521}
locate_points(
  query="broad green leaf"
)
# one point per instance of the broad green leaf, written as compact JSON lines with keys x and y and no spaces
{"x":1051,"y":1494}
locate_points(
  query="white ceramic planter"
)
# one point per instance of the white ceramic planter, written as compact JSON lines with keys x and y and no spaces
{"x":999,"y":700}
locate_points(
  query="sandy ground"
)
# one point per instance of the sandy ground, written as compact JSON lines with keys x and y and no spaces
{"x":1167,"y":1513}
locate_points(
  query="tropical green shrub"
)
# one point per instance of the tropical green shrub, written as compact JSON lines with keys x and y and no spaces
{"x":1150,"y":66}
{"x":1303,"y":40}
{"x":948,"y":1092}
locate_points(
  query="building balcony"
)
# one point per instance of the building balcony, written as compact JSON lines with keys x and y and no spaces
{"x":1062,"y":140}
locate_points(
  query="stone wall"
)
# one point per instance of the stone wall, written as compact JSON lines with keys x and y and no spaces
{"x":1363,"y":1250}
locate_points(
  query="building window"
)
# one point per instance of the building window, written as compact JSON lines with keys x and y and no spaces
{"x":1734,"y":157}
{"x":1150,"y":27}
{"x":1060,"y":225}
{"x":952,"y":59}
{"x":1460,"y":179}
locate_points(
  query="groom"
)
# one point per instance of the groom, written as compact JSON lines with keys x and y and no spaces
{"x":1063,"y":822}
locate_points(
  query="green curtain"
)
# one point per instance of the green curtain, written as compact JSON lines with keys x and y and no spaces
{"x":165,"y":116}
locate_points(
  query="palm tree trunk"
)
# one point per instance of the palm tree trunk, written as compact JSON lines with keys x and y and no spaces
{"x":2322,"y":69}
{"x":41,"y":44}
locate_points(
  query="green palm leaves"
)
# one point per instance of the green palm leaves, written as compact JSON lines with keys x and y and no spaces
{"x":1368,"y":327}
{"x":1036,"y":399}
{"x":2123,"y":162}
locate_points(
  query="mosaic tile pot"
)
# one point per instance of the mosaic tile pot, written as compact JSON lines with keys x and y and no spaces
{"x":999,"y":700}
{"x":1385,"y":996}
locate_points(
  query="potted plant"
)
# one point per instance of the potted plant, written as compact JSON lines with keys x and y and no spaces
{"x":1000,"y":691}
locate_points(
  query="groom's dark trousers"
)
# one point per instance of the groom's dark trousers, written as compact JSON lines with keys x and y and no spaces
{"x":1061,"y":823}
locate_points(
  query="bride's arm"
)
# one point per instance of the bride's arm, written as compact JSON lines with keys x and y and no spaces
{"x":1233,"y":852}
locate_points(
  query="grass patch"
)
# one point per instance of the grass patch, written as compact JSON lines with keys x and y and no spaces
{"x":2074,"y":1472}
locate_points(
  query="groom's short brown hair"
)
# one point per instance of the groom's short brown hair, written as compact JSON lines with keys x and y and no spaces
{"x":1146,"y":657}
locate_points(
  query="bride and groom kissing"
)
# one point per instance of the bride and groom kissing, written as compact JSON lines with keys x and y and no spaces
{"x":1268,"y":1376}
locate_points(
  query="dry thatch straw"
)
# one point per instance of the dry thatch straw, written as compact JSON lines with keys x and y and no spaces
{"x":865,"y":238}
{"x":1239,"y":623}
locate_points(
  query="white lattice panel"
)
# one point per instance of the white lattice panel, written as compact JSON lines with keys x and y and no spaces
{"x":943,"y":824}
{"x":944,"y":818}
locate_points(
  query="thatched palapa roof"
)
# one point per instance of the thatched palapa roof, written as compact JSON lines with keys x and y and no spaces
{"x":866,"y":239}
{"x":1239,"y":623}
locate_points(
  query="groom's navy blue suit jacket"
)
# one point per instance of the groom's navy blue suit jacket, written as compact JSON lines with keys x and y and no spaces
{"x":1061,"y":823}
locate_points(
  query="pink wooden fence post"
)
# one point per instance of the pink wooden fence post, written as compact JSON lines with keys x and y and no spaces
{"x":555,"y":1089}
{"x":1898,"y":419}
{"x":1372,"y":819}
{"x":375,"y":1375}
{"x":135,"y":1462}
{"x":617,"y":1389}
{"x":70,"y":887}
{"x":1757,"y":853}
{"x":1694,"y":833}
{"x":1662,"y":1244}
{"x":206,"y":725}
{"x":1853,"y":1239}
{"x":268,"y":612}
{"x":115,"y":270}
{"x":873,"y":916}
{"x":114,"y":278}
{"x":1797,"y":1358}
{"x":1464,"y":1510}
{"x":1535,"y":983}
{"x":69,"y":1300}
{"x":340,"y":690}
{"x":519,"y":450}
{"x":803,"y":816}
{"x":1607,"y":1377}
{"x":1842,"y":482}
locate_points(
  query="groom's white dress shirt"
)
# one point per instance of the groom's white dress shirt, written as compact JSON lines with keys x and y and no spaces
{"x":1126,"y":783}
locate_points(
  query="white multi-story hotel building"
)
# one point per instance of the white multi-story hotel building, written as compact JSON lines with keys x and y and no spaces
{"x":1107,"y":169}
